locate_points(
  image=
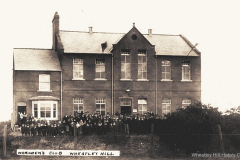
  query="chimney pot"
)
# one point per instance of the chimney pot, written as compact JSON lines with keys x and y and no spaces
{"x":90,"y":29}
{"x":150,"y":32}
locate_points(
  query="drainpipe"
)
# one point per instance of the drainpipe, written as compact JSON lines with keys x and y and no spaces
{"x":61,"y":96}
{"x":112,"y":86}
{"x":156,"y":86}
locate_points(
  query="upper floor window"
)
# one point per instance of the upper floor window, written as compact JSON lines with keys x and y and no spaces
{"x":100,"y":105}
{"x":125,"y":64}
{"x":142,"y":64}
{"x":166,"y":106}
{"x":166,"y":70}
{"x":186,"y":102}
{"x":142,"y":106}
{"x":78,"y":105}
{"x":100,"y":69}
{"x":77,"y":68}
{"x":44,"y":82}
{"x":186,"y":71}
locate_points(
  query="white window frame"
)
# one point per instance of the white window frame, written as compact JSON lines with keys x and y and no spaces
{"x":44,"y":82}
{"x":184,"y":73}
{"x":141,"y":103}
{"x":166,"y":64}
{"x":124,"y":55}
{"x":143,"y":55}
{"x":186,"y":102}
{"x":165,"y":106}
{"x":78,"y":102}
{"x":78,"y":69}
{"x":101,"y":102}
{"x":39,"y":105}
{"x":100,"y":64}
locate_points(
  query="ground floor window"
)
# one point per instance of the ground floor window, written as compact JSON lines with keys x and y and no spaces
{"x":78,"y":105}
{"x":186,"y":102}
{"x":44,"y":109}
{"x":142,"y":106}
{"x":101,"y":105}
{"x":166,"y":106}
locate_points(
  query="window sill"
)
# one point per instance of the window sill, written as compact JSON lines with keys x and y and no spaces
{"x":142,"y":80}
{"x":48,"y":118}
{"x":100,"y":79}
{"x":78,"y":79}
{"x":166,"y":80}
{"x":125,"y":79}
{"x":44,"y":91}
{"x":186,"y":80}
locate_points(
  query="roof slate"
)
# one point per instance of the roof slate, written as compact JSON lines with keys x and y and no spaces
{"x":85,"y":42}
{"x":171,"y":45}
{"x":36,"y":59}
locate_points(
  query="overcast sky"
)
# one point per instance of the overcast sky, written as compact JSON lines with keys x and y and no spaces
{"x":214,"y":25}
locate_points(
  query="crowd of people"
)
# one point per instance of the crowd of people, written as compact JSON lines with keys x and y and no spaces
{"x":85,"y":123}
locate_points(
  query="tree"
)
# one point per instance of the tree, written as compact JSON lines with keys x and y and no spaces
{"x":190,"y":129}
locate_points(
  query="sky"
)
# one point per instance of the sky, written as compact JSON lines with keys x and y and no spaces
{"x":213,"y":24}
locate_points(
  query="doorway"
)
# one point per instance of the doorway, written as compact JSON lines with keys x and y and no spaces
{"x":21,"y":109}
{"x":126,"y":106}
{"x":126,"y":110}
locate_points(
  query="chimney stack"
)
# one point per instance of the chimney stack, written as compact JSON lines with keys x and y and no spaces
{"x":90,"y":30}
{"x":55,"y":28}
{"x":150,"y":32}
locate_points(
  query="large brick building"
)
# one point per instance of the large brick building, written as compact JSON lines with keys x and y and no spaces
{"x":129,"y":73}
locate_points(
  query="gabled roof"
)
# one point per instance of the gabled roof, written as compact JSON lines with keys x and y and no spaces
{"x":172,"y":45}
{"x":85,"y":42}
{"x":35,"y":59}
{"x":135,"y":31}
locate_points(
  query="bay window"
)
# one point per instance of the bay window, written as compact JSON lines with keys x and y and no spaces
{"x":44,"y":109}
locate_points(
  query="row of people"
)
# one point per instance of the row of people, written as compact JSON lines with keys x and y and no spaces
{"x":89,"y":123}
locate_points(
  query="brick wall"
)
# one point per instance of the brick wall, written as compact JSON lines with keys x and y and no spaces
{"x":89,"y":89}
{"x":26,"y":86}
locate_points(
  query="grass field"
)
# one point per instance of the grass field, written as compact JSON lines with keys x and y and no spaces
{"x":130,"y":146}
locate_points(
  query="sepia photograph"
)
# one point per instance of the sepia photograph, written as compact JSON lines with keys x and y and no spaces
{"x":122,"y":79}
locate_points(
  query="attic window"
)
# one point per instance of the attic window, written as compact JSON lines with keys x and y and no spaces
{"x":104,"y":46}
{"x":134,"y":37}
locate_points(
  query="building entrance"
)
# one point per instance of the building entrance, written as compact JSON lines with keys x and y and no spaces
{"x":21,"y":109}
{"x":126,"y":110}
{"x":126,"y":106}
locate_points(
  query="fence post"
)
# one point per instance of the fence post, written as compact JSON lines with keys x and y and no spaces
{"x":75,"y":136}
{"x":5,"y":141}
{"x":220,"y":138}
{"x":152,"y":145}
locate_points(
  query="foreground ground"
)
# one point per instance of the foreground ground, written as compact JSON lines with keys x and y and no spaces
{"x":130,"y":146}
{"x":133,"y":146}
